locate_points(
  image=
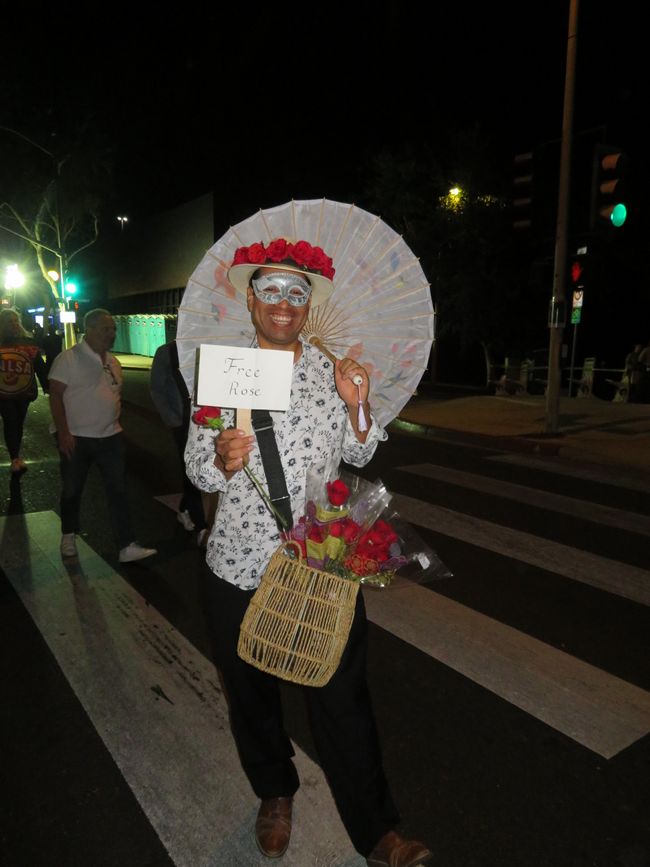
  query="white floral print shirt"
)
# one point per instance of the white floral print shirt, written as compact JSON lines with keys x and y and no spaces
{"x":315,"y":429}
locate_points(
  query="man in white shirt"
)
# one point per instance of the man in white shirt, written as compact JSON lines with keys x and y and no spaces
{"x":321,"y":424}
{"x":85,"y":386}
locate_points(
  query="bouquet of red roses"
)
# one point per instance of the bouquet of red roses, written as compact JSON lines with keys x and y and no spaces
{"x":348,"y":530}
{"x":337,"y":514}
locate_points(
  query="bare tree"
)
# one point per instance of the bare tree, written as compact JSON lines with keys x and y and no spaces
{"x":54,"y":208}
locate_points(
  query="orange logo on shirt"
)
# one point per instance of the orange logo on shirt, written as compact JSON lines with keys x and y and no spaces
{"x":16,"y":372}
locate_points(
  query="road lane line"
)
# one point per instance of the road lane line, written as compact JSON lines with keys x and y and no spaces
{"x":594,"y":708}
{"x":618,"y":477}
{"x":619,"y":518}
{"x":631,"y":582}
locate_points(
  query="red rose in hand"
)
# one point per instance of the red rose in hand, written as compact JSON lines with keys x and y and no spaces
{"x":257,"y":254}
{"x":207,"y":416}
{"x":336,"y":529}
{"x":337,"y":492}
{"x":277,"y":250}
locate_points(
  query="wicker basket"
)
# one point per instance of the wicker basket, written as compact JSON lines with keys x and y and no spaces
{"x":298,"y":621}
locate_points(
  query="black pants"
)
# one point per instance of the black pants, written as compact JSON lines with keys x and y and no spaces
{"x":340,"y":714}
{"x":108,"y":453}
{"x":13,"y":414}
{"x":191,"y":499}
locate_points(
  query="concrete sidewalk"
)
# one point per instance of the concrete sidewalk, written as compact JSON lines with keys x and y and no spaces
{"x":590,"y":429}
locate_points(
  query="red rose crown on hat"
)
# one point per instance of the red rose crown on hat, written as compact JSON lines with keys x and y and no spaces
{"x":279,"y":251}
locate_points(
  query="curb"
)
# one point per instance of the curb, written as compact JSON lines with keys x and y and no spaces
{"x":500,"y":442}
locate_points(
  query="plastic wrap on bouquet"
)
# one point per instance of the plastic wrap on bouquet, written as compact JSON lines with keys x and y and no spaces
{"x":338,"y":512}
{"x":349,"y":530}
{"x":392,"y":546}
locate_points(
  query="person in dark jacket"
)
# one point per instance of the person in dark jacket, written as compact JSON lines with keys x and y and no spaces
{"x":52,"y":345}
{"x":21,"y":365}
{"x":172,"y":400}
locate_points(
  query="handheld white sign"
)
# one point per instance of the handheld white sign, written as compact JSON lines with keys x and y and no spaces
{"x":237,"y":378}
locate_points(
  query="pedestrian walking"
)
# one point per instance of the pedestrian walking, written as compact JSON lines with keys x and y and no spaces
{"x":280,"y":282}
{"x":21,"y":369}
{"x":52,"y":345}
{"x":85,"y":399}
{"x":172,"y":400}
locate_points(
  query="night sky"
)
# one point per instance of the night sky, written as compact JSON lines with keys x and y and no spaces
{"x":268,"y":103}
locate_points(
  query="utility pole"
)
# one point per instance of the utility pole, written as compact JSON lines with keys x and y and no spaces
{"x":557,"y":311}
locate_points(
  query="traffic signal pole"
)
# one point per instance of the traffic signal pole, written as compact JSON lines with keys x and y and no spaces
{"x":557,"y":314}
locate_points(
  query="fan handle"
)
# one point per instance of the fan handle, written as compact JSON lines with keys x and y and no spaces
{"x":316,"y":341}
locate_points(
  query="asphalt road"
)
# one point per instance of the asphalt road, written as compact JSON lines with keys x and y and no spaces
{"x":501,"y":691}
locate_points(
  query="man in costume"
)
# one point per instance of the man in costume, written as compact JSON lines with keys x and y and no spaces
{"x":281,"y":281}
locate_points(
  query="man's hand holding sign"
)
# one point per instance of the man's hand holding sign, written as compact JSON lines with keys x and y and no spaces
{"x":242,"y":379}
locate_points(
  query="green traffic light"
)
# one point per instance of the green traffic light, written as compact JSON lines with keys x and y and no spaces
{"x":619,"y":215}
{"x":71,"y":287}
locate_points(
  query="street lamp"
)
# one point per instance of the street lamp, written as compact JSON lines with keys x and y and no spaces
{"x":454,"y":199}
{"x":13,"y":280}
{"x":122,"y":221}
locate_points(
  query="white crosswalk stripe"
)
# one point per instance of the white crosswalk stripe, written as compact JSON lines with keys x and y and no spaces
{"x":612,"y":476}
{"x":594,"y":512}
{"x":599,"y":711}
{"x":602,"y":712}
{"x":601,"y":572}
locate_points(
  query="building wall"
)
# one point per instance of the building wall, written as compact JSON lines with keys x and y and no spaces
{"x":145,"y":266}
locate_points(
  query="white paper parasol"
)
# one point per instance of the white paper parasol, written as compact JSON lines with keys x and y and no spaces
{"x":380,"y":312}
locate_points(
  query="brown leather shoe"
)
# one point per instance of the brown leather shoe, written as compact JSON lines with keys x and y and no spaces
{"x":273,"y":827}
{"x":394,"y":851}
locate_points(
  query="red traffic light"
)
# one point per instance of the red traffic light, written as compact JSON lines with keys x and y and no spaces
{"x":576,"y":271}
